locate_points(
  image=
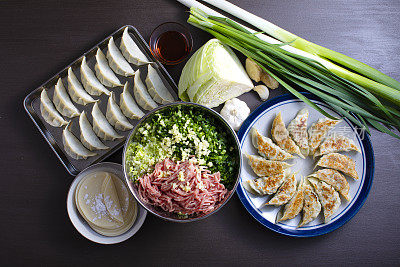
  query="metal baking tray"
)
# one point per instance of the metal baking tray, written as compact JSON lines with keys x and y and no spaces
{"x":53,"y":135}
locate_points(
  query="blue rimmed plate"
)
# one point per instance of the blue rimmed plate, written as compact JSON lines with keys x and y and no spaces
{"x":262,"y":119}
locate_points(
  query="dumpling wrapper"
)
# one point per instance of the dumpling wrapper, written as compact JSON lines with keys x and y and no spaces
{"x":335,"y":179}
{"x":336,"y":143}
{"x":311,"y":206}
{"x":49,"y":112}
{"x":74,"y":148}
{"x":117,"y":61}
{"x":101,"y":126}
{"x":318,"y":131}
{"x":115,"y":116}
{"x":91,"y":84}
{"x":111,"y":199}
{"x":142,"y":97}
{"x":267,"y":148}
{"x":103,"y":72}
{"x":298,"y":131}
{"x":294,"y":206}
{"x":285,"y":192}
{"x":156,"y":87}
{"x":263,"y":167}
{"x":281,"y":136}
{"x":76,"y":90}
{"x":339,"y":162}
{"x":131,"y":51}
{"x":88,"y":137}
{"x":62,"y":101}
{"x":328,"y":197}
{"x":128,"y":105}
{"x":265,"y":185}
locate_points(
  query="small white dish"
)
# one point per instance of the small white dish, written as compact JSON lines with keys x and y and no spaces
{"x":81,"y":225}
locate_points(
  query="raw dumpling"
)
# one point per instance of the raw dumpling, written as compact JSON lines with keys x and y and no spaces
{"x":335,"y":179}
{"x":62,"y":101}
{"x":339,"y":162}
{"x":328,"y":197}
{"x":312,"y":206}
{"x":92,"y":85}
{"x":285,"y":192}
{"x":267,"y":148}
{"x":73,"y":146}
{"x":88,"y":137}
{"x":281,"y":136}
{"x":156,"y":87}
{"x":49,"y":112}
{"x":103,"y":72}
{"x":114,"y":115}
{"x":141,"y":95}
{"x":76,"y":91}
{"x":294,"y":206}
{"x":336,"y":143}
{"x":263,"y":167}
{"x":298,"y":131}
{"x":101,"y":126}
{"x":128,"y":105}
{"x":117,"y":61}
{"x":265,"y":185}
{"x":131,"y":51}
{"x":318,"y":131}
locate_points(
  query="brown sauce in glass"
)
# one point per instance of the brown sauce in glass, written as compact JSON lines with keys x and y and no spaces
{"x":172,"y":46}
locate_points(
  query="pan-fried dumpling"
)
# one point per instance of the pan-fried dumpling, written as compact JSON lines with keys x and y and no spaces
{"x":62,"y":102}
{"x":339,"y":162}
{"x":336,"y":143}
{"x":73,"y":146}
{"x":91,"y":84}
{"x":265,"y":185}
{"x":142,"y":97}
{"x":49,"y":112}
{"x":267,"y":148}
{"x":285,"y":192}
{"x":76,"y":91}
{"x":156,"y":87}
{"x":103,"y":72}
{"x":263,"y":167}
{"x":281,"y":136}
{"x":114,"y":115}
{"x":131,"y":51}
{"x":328,"y":197}
{"x":128,"y":105}
{"x":312,"y":206}
{"x":101,"y":126}
{"x":335,"y":179}
{"x":117,"y":61}
{"x":298,"y":131}
{"x":318,"y":131}
{"x":88,"y":137}
{"x":294,"y":206}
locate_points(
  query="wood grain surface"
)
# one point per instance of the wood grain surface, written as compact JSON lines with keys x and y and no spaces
{"x":38,"y":38}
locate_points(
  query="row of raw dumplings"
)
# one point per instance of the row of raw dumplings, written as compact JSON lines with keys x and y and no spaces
{"x":94,"y":84}
{"x":320,"y":188}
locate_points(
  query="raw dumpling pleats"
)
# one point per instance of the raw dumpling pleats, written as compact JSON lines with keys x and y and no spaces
{"x":117,"y":61}
{"x":103,"y":72}
{"x":101,"y":126}
{"x":318,"y":131}
{"x":328,"y":197}
{"x":156,"y":87}
{"x":335,"y":179}
{"x":115,"y":116}
{"x":285,"y":192}
{"x":49,"y":112}
{"x":92,"y":85}
{"x":265,"y":185}
{"x":141,"y":95}
{"x":131,"y":51}
{"x":128,"y":105}
{"x":294,"y":206}
{"x":76,"y":91}
{"x":339,"y":162}
{"x":62,"y":101}
{"x":311,"y":206}
{"x":267,"y":148}
{"x":73,"y":146}
{"x":281,"y":136}
{"x":263,"y":167}
{"x":298,"y":131}
{"x":336,"y":143}
{"x":88,"y":137}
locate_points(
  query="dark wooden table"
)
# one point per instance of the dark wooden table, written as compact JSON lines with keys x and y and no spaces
{"x":38,"y":38}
